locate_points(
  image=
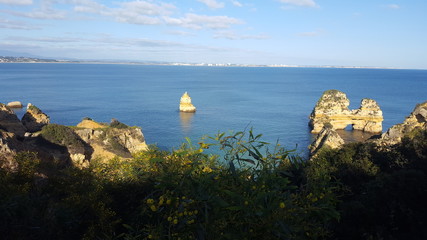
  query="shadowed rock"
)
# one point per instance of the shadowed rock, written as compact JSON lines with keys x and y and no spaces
{"x":34,"y":119}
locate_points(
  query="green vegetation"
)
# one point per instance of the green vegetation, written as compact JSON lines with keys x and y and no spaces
{"x":259,"y":191}
{"x":35,"y":109}
{"x":61,"y":135}
{"x":116,"y":124}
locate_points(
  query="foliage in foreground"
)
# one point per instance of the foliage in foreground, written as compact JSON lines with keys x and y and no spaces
{"x":259,"y":191}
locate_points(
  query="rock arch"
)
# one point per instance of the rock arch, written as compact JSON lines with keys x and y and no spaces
{"x":332,"y":109}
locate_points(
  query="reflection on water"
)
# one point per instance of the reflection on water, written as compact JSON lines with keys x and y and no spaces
{"x":355,"y":135}
{"x":186,"y":120}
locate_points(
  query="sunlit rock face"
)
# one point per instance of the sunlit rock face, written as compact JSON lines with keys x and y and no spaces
{"x":108,"y":142}
{"x":332,"y":108}
{"x":416,"y":120}
{"x":185,"y":104}
{"x":327,"y":137}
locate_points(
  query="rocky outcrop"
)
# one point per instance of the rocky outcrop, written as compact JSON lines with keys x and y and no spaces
{"x":64,"y":145}
{"x":416,"y":120}
{"x":185,"y":104}
{"x":15,"y":104}
{"x":7,"y":151}
{"x":109,"y":141}
{"x":9,"y":122}
{"x":332,"y":108}
{"x":34,"y":119}
{"x":327,"y":137}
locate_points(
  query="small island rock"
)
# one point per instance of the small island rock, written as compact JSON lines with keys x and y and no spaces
{"x":15,"y":104}
{"x":185,"y":104}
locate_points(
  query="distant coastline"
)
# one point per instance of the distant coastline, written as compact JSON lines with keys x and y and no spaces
{"x":10,"y":59}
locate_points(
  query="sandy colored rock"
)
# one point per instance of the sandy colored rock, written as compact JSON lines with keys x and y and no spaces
{"x":327,"y":137}
{"x":15,"y":104}
{"x":417,"y":119}
{"x":34,"y":119}
{"x":91,"y":124}
{"x":185,"y":104}
{"x":332,"y":108}
{"x":10,"y":122}
{"x":108,"y":142}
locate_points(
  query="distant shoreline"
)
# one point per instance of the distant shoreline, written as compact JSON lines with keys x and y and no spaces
{"x":4,"y":59}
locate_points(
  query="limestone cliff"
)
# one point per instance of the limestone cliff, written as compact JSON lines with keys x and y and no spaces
{"x":34,"y":119}
{"x":185,"y":104}
{"x":65,"y":145}
{"x":9,"y":122}
{"x":108,"y":141}
{"x":332,"y":108}
{"x":327,"y":137}
{"x":416,"y":120}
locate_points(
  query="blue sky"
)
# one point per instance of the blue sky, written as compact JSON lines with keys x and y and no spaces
{"x":377,"y":33}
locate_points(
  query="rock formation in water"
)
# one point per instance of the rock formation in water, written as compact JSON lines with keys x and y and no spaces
{"x":15,"y":104}
{"x":332,"y":108}
{"x":34,"y":119}
{"x":185,"y":104}
{"x":327,"y":137}
{"x":416,"y":120}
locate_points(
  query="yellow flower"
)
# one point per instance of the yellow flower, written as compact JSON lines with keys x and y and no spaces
{"x":246,"y":202}
{"x":169,"y":219}
{"x":150,"y":236}
{"x":175,"y":221}
{"x":168,"y":202}
{"x":153,"y":208}
{"x":282,"y":205}
{"x":150,"y":201}
{"x":207,"y":169}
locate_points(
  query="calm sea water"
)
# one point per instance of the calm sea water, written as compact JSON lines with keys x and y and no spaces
{"x":274,"y":101}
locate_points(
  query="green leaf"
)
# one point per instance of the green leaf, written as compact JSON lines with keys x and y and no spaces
{"x":156,"y":160}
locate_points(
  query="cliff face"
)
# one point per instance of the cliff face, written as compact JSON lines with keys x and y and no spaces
{"x":108,"y":142}
{"x":417,"y":119}
{"x":9,"y":122}
{"x":34,"y":119}
{"x":66,"y":145}
{"x":327,"y":137}
{"x":185,"y":104}
{"x":332,"y":109}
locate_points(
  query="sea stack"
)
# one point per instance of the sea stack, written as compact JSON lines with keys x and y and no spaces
{"x":332,"y":108}
{"x":185,"y":104}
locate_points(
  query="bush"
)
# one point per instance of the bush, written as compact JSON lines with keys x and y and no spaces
{"x":61,"y":135}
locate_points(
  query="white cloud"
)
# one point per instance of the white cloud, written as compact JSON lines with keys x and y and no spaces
{"x":17,"y":2}
{"x":212,"y":3}
{"x":300,"y":3}
{"x":237,"y":3}
{"x":45,"y":11}
{"x":196,"y":21}
{"x":180,"y":33}
{"x":316,"y":33}
{"x":393,"y":6}
{"x":231,"y":35}
{"x":5,"y":23}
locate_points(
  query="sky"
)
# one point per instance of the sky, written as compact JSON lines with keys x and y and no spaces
{"x":368,"y":33}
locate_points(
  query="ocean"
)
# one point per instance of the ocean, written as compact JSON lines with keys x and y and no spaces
{"x":273,"y":101}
